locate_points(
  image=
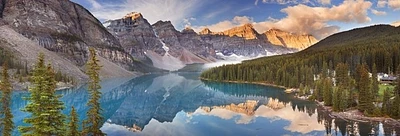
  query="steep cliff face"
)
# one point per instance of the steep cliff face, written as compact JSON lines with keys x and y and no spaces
{"x":186,"y":44}
{"x":246,"y":31}
{"x":135,"y":34}
{"x":63,"y":27}
{"x":242,"y":41}
{"x":245,"y":40}
{"x":159,"y":44}
{"x":279,"y":37}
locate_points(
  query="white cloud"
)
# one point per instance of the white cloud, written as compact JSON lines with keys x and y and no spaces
{"x":379,"y":13}
{"x":217,"y":12}
{"x":227,"y":24}
{"x":187,"y":21}
{"x":381,"y":3}
{"x":394,"y":4}
{"x":324,"y":2}
{"x":153,"y":10}
{"x":304,"y":19}
{"x":95,"y":4}
{"x":397,"y":23}
{"x":282,"y":2}
{"x":256,"y":2}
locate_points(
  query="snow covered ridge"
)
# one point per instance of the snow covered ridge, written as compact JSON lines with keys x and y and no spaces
{"x":236,"y":59}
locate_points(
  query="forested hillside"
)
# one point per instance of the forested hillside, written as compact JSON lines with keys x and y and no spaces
{"x":334,"y":71}
{"x":378,"y":45}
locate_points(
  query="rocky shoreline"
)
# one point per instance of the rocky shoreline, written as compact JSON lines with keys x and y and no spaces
{"x":355,"y":115}
{"x":351,"y":115}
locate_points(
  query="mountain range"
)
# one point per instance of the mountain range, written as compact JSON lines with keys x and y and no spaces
{"x":64,"y":30}
{"x":170,"y":49}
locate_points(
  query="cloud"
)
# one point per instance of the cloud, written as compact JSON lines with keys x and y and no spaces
{"x":217,"y":12}
{"x":379,"y":13}
{"x":397,"y":23}
{"x":282,"y":2}
{"x":187,"y":21}
{"x":381,"y":3}
{"x":153,"y":10}
{"x":225,"y":25}
{"x":394,"y":4}
{"x":95,"y":4}
{"x":303,"y":19}
{"x":256,"y":2}
{"x":324,"y":2}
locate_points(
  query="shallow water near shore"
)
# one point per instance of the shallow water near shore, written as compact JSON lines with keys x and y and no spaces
{"x":180,"y":104}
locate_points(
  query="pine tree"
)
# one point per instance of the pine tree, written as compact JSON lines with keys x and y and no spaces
{"x":327,"y":87}
{"x":375,"y":84}
{"x":94,"y":119}
{"x":336,"y":100}
{"x":73,"y":123}
{"x":365,"y":95}
{"x":343,"y":104}
{"x":45,"y":107}
{"x":6,"y":123}
{"x":395,"y":109}
{"x":385,"y":102}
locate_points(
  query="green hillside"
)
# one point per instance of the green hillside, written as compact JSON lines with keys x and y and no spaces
{"x":378,"y":44}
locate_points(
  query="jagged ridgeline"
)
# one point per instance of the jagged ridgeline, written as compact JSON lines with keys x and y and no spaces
{"x":378,"y":44}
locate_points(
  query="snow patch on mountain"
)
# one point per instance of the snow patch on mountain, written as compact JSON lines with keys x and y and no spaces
{"x":233,"y":58}
{"x":166,"y":62}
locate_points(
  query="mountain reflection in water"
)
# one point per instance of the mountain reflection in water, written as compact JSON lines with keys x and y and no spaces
{"x":181,"y":104}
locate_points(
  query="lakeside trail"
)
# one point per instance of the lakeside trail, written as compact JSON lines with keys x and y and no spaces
{"x":351,"y":115}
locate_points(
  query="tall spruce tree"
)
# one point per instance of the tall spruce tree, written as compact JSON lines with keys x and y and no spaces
{"x":94,"y":119}
{"x":336,"y":100}
{"x":327,"y":87}
{"x":73,"y":123}
{"x":6,"y":124}
{"x":365,"y":95}
{"x":375,"y":83}
{"x":395,"y":109}
{"x":385,"y":102}
{"x":45,"y":107}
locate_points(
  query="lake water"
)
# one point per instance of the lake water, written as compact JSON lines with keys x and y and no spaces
{"x":182,"y":105}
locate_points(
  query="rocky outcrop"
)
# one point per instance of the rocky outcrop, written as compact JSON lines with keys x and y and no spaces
{"x":63,"y":27}
{"x":246,"y":31}
{"x":289,"y":40}
{"x":245,"y":40}
{"x":135,"y":34}
{"x":160,"y":44}
{"x":242,"y":41}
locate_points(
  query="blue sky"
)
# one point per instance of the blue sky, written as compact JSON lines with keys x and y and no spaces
{"x":317,"y":17}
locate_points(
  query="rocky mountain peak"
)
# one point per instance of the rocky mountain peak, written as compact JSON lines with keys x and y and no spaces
{"x":188,"y":30}
{"x":205,"y":31}
{"x":246,"y":31}
{"x":133,"y":15}
{"x":274,"y":30}
{"x":290,"y":40}
{"x":163,"y":24}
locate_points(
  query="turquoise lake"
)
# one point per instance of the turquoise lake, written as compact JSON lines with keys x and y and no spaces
{"x":179,"y":104}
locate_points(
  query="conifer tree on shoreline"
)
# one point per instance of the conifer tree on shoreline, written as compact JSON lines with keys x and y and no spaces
{"x":6,"y":123}
{"x":91,"y":126}
{"x":45,"y":107}
{"x":73,"y":123}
